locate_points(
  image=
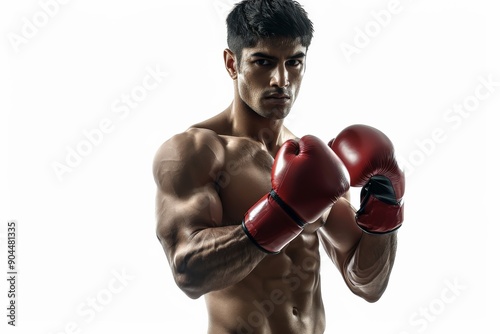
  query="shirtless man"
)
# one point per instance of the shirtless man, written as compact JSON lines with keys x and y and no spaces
{"x":243,"y":204}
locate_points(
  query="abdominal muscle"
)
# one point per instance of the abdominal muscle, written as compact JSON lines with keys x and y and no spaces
{"x":281,"y":295}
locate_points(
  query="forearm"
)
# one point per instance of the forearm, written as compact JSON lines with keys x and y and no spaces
{"x":213,"y":259}
{"x":368,"y":270}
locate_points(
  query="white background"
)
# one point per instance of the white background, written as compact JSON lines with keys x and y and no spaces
{"x":78,"y":230}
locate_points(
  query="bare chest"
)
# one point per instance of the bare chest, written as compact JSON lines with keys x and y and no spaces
{"x":244,"y":178}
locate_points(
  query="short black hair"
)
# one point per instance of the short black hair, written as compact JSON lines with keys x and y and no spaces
{"x":252,"y":20}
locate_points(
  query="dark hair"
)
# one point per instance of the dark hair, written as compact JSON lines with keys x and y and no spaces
{"x":252,"y":20}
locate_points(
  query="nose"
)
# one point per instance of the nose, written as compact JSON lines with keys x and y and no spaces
{"x":280,"y":77}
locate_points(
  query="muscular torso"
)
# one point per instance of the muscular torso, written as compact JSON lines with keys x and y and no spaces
{"x":282,"y":294}
{"x":207,"y":178}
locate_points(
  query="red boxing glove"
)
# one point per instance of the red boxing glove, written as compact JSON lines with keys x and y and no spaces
{"x":368,"y":155}
{"x":306,"y":179}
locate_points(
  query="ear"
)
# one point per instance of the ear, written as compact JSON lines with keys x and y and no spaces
{"x":230,"y":63}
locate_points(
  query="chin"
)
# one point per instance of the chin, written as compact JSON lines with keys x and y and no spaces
{"x":275,"y":113}
{"x":280,"y":114}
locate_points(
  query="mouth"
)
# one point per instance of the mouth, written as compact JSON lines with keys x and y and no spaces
{"x":279,"y":96}
{"x":280,"y":100}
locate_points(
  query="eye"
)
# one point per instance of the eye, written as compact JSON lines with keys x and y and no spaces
{"x":262,"y":62}
{"x":294,"y":62}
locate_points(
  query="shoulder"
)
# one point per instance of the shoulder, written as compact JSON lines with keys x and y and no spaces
{"x":190,"y":144}
{"x":190,"y":156}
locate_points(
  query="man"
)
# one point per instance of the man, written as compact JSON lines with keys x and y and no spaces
{"x":243,"y":204}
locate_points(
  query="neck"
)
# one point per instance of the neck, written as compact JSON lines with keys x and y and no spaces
{"x":247,"y":123}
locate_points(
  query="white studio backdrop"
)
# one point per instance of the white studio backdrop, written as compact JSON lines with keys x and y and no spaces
{"x":90,"y":89}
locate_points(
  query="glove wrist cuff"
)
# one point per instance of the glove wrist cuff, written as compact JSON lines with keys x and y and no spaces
{"x":269,"y":225}
{"x":377,"y":217}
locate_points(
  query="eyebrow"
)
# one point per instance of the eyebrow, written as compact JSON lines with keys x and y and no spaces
{"x":264,"y":55}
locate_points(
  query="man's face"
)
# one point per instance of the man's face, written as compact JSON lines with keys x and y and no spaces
{"x":269,"y":76}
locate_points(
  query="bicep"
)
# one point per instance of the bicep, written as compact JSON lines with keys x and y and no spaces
{"x":180,"y":218}
{"x":186,"y":198}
